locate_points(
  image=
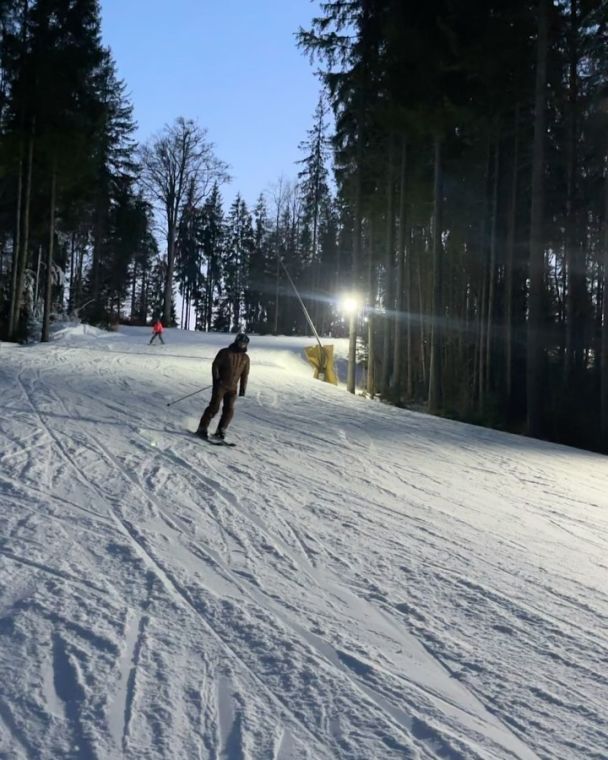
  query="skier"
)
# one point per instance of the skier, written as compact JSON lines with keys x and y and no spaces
{"x":230,"y":369}
{"x":157,"y":331}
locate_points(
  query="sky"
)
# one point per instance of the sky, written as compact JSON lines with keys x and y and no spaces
{"x":351,"y":581}
{"x":233,"y":66}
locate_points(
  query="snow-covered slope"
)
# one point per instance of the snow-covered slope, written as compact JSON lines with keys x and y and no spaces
{"x":352,"y":581}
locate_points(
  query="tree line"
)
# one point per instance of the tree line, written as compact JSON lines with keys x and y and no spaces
{"x":70,"y":210}
{"x":463,"y":191}
{"x":471,"y":162}
{"x":94,"y":225}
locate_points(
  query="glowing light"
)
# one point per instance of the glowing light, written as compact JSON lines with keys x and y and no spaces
{"x":351,"y":303}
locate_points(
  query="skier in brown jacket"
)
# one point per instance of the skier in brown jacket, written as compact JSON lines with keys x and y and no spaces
{"x":230,"y":369}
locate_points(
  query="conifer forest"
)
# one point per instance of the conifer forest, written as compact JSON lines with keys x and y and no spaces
{"x":454,"y":173}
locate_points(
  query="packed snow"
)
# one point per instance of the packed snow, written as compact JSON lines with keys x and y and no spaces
{"x":351,"y":581}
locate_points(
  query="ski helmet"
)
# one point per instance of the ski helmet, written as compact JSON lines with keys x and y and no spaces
{"x":241,"y":338}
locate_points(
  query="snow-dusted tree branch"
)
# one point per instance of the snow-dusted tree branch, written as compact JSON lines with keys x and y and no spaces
{"x":178,"y":158}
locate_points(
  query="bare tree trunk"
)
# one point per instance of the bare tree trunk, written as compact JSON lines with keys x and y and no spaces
{"x":351,"y":374}
{"x":98,"y":235}
{"x":356,"y":258}
{"x":358,"y":213}
{"x":38,"y":263}
{"x":316,"y":262}
{"x":575,"y":263}
{"x":371,"y":357}
{"x":409,"y":300}
{"x":481,"y":349}
{"x":604,"y":349}
{"x":168,"y":296}
{"x":277,"y":273}
{"x":389,"y":264}
{"x":398,"y":320}
{"x":437,"y":331}
{"x":143,"y":301}
{"x":466,"y":389}
{"x":20,"y":249}
{"x":49,"y":260}
{"x":72,"y":272}
{"x":535,"y":346}
{"x":481,"y":399}
{"x":510,"y":259}
{"x":371,"y":299}
{"x":133,"y":287}
{"x":25,"y":241}
{"x":492,"y":272}
{"x":15,"y":299}
{"x":208,"y":297}
{"x":423,"y":358}
{"x":78,"y":299}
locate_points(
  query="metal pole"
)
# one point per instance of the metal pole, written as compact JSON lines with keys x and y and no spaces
{"x":200,"y":390}
{"x":352,"y":352}
{"x":304,"y":309}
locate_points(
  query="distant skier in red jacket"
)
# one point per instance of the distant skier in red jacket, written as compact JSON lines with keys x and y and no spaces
{"x":157,"y":331}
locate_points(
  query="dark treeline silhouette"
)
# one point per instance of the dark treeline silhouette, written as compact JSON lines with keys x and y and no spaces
{"x":471,"y":145}
{"x":469,"y":203}
{"x":70,"y":211}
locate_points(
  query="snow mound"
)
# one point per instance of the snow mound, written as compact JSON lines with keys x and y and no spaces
{"x":76,"y":330}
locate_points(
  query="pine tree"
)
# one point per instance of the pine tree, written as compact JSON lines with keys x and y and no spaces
{"x":189,"y":259}
{"x":240,"y":244}
{"x":258,"y":295}
{"x":145,"y":253}
{"x":315,"y":198}
{"x":213,"y":243}
{"x":66,"y":115}
{"x":113,"y":188}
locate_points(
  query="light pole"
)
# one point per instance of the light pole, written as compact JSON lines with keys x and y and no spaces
{"x":351,"y":305}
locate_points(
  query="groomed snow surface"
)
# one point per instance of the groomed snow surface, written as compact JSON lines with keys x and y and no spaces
{"x":351,"y":581}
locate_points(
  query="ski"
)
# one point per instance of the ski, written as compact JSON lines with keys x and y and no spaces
{"x":215,"y":442}
{"x":221,"y":443}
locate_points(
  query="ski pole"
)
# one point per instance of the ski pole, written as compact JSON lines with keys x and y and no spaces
{"x":181,"y":398}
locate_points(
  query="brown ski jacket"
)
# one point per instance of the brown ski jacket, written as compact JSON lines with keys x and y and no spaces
{"x":229,"y":367}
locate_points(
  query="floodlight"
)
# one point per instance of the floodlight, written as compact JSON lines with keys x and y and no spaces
{"x":351,"y":303}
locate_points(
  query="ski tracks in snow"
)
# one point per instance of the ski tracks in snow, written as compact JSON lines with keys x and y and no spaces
{"x":71,"y":691}
{"x":70,"y":688}
{"x":278,"y":599}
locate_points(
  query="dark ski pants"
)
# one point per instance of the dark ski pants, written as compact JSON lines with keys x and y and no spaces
{"x":220,"y":394}
{"x":156,"y":335}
